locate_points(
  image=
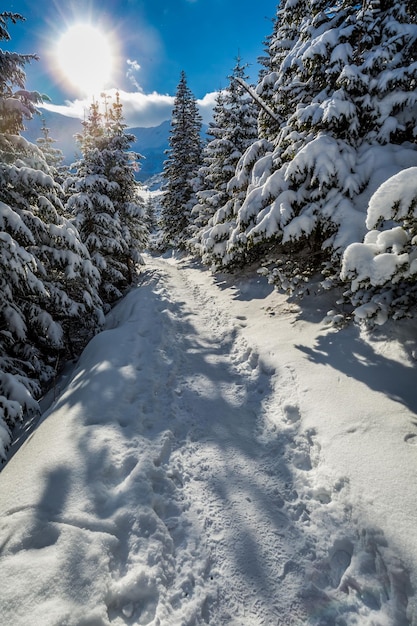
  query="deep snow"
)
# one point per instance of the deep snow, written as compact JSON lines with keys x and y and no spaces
{"x":218,"y":455}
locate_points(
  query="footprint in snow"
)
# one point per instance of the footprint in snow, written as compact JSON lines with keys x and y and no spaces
{"x":328,"y":572}
{"x":164,"y":453}
{"x":339,"y":562}
{"x":291,"y":413}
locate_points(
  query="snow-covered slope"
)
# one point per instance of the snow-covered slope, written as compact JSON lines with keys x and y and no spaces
{"x":218,"y":456}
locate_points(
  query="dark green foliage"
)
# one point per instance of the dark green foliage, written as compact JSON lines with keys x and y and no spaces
{"x":49,"y":305}
{"x":104,"y":200}
{"x":232,"y":132}
{"x":181,"y":167}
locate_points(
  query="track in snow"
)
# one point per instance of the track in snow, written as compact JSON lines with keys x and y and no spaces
{"x":242,"y":483}
{"x":190,"y":495}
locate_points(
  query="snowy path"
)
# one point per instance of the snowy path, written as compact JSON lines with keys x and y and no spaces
{"x":176,"y":481}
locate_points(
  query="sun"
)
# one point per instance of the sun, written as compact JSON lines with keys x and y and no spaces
{"x":85,"y":58}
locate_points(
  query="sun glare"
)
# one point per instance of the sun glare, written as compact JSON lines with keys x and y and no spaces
{"x":85,"y":58}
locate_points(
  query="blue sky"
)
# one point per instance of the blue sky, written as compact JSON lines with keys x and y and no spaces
{"x":152,"y":41}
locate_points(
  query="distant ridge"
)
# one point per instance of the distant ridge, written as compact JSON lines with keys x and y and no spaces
{"x":151,"y":143}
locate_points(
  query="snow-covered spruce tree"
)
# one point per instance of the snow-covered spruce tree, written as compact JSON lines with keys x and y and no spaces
{"x":256,"y":160}
{"x":16,"y":103}
{"x":150,"y":214}
{"x":382,"y":270}
{"x":252,"y":234}
{"x":53,"y":156}
{"x":121,"y":165}
{"x":46,"y":278}
{"x":233,"y":130}
{"x":310,"y":208}
{"x":63,"y":264}
{"x":104,"y":201}
{"x":91,"y":209}
{"x":210,"y":175}
{"x":181,"y":167}
{"x":296,"y":213}
{"x":385,"y":80}
{"x":276,"y":86}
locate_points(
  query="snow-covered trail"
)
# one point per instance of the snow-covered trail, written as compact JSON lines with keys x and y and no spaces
{"x":176,"y":481}
{"x":213,"y":388}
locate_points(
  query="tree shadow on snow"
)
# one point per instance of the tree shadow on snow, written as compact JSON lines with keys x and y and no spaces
{"x":347,"y":352}
{"x":174,"y":427}
{"x":192,"y":419}
{"x":178,"y":398}
{"x":245,"y":284}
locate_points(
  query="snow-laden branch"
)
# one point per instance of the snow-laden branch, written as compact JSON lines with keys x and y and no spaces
{"x":257,"y":99}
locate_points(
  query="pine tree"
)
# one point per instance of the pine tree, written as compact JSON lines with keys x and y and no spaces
{"x":53,"y":156}
{"x":233,"y":130}
{"x":104,"y":200}
{"x":150,"y":214}
{"x":382,"y":271}
{"x":121,"y":165}
{"x":181,"y":167}
{"x":331,"y":81}
{"x":46,"y":280}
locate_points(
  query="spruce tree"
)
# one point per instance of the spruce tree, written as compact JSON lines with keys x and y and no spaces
{"x":121,"y":165}
{"x":17,"y":104}
{"x":385,"y":83}
{"x":381,"y":271}
{"x":181,"y":167}
{"x":233,"y":130}
{"x":93,"y":213}
{"x":53,"y":156}
{"x":104,"y":201}
{"x":341,"y":79}
{"x":303,"y":192}
{"x":210,"y":181}
{"x":47,"y":282}
{"x":150,"y":214}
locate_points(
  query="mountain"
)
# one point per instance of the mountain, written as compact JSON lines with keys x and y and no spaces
{"x":61,"y":128}
{"x":151,"y":142}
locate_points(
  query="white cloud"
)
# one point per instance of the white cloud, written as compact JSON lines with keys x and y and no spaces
{"x":134,"y":65}
{"x":133,"y":68}
{"x":206,"y":105}
{"x":76,"y":109}
{"x":139,"y":109}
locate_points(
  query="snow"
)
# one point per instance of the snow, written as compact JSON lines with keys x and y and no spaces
{"x":218,"y":455}
{"x":400,"y":190}
{"x":370,"y":261}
